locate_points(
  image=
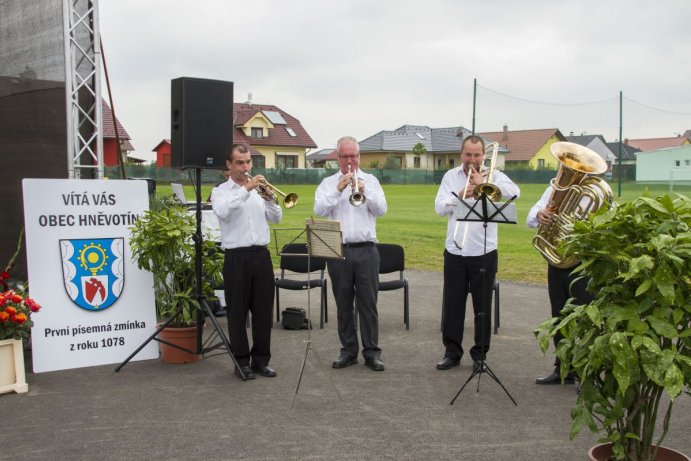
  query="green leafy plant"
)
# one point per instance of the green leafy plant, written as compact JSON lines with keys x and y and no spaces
{"x":632,"y":344}
{"x":162,"y":243}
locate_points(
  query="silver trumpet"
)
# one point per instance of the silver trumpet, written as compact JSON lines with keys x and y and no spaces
{"x":356,"y":198}
{"x":268,"y":192}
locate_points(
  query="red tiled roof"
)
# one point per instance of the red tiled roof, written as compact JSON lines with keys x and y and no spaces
{"x":524,"y":144}
{"x":655,"y":143}
{"x":108,"y":128}
{"x":278,"y":136}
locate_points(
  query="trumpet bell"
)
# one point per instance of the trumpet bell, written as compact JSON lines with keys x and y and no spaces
{"x":357,"y":199}
{"x":290,"y":200}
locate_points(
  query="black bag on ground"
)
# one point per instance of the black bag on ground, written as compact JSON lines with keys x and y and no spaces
{"x":294,"y":318}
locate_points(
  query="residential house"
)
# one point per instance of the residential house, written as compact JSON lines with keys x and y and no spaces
{"x":671,"y":164}
{"x":628,"y":160}
{"x":528,"y":147}
{"x":110,"y":146}
{"x":276,"y":138}
{"x":324,"y":158}
{"x":162,"y":150}
{"x":649,"y":144}
{"x":396,"y":148}
{"x":596,"y":143}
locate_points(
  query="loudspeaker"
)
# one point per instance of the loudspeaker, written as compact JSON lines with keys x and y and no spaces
{"x":201,"y":122}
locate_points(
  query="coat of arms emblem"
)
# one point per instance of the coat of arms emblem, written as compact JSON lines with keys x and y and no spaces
{"x":93,"y":271}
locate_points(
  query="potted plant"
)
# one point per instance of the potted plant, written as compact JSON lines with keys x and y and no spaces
{"x":632,"y":343}
{"x":162,"y":243}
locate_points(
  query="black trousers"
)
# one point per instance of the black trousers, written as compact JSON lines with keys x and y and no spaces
{"x":463,"y":275}
{"x":248,"y":280}
{"x":562,"y":285}
{"x":355,"y":279}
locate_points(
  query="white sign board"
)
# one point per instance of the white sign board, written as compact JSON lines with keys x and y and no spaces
{"x":97,"y":306}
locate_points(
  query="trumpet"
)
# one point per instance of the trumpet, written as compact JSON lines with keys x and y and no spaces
{"x":356,"y":198}
{"x":486,"y":187}
{"x":268,"y":192}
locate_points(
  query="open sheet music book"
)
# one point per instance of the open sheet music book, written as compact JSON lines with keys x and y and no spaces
{"x":324,"y":238}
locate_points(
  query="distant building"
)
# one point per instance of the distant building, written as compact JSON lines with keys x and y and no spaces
{"x":110,"y":150}
{"x":528,"y":147}
{"x":162,"y":150}
{"x":324,"y":158}
{"x":649,"y":144}
{"x":397,"y":148}
{"x":663,"y":165}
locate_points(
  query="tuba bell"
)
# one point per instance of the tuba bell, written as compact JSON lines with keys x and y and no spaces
{"x":574,"y":197}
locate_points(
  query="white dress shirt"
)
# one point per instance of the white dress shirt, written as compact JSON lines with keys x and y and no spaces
{"x":541,"y":204}
{"x":243,"y":215}
{"x":358,"y":223}
{"x":454,"y":180}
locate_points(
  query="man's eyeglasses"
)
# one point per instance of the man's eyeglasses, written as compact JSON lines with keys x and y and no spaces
{"x":349,"y":157}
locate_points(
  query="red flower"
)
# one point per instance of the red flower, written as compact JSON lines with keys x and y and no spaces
{"x":4,"y":316}
{"x":15,"y":298}
{"x":10,"y":310}
{"x":19,"y":318}
{"x":4,"y":275}
{"x":3,"y":300}
{"x":32,"y":305}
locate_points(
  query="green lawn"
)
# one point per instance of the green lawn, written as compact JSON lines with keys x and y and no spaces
{"x":412,"y":222}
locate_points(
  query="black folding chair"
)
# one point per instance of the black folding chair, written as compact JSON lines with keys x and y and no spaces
{"x":298,"y":265}
{"x":392,"y":259}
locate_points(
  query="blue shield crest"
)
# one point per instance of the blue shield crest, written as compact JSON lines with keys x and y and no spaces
{"x":93,"y":271}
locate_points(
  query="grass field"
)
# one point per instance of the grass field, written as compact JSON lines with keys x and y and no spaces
{"x":412,"y":223}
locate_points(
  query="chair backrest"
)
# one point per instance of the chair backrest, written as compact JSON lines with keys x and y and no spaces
{"x":179,"y":192}
{"x":392,"y":258}
{"x":299,"y":263}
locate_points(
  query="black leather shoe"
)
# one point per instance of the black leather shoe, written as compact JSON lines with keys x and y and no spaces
{"x":448,"y":362}
{"x":247,"y":371}
{"x":264,"y":370}
{"x":343,"y":361}
{"x":375,"y":364}
{"x":479,"y":366}
{"x":554,"y":378}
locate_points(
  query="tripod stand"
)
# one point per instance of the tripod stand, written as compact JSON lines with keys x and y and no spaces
{"x":201,"y":347}
{"x":485,"y":210}
{"x":323,"y":240}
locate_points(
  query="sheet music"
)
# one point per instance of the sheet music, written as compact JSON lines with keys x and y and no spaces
{"x":506,"y":215}
{"x":324,"y":238}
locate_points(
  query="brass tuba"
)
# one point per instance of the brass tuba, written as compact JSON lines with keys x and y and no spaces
{"x":574,"y":197}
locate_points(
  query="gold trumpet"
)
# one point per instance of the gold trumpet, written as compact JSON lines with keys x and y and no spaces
{"x":268,"y":192}
{"x":356,"y":198}
{"x":487,"y":187}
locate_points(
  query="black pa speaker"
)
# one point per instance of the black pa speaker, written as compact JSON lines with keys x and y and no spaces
{"x":201,"y":122}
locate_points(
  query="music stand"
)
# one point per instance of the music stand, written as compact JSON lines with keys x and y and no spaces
{"x":324,"y":240}
{"x":204,"y":310}
{"x":485,"y":210}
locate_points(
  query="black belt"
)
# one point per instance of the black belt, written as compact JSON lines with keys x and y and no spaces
{"x":358,"y":244}
{"x":251,"y":249}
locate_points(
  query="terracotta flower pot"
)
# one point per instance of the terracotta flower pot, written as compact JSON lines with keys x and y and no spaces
{"x":603,"y":452}
{"x":183,"y":337}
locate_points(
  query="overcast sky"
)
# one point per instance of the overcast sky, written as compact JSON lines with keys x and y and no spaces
{"x":361,"y":66}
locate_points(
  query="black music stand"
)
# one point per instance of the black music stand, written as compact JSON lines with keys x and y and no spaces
{"x":324,"y":240}
{"x":202,"y":347}
{"x":485,"y":210}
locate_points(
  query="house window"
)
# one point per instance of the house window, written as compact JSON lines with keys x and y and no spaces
{"x":687,"y":162}
{"x":416,"y":162}
{"x":541,"y":163}
{"x":451,"y":163}
{"x":286,"y":161}
{"x":439,"y":163}
{"x":257,"y":132}
{"x":258,"y":161}
{"x":677,"y":163}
